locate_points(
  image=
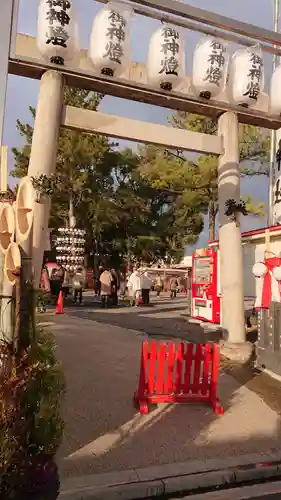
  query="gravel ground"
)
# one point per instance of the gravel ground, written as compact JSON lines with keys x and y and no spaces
{"x":103,"y":430}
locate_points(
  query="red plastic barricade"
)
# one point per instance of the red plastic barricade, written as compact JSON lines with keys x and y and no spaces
{"x":178,"y":373}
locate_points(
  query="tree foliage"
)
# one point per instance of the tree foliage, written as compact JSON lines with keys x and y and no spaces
{"x":194,"y":179}
{"x":145,"y":205}
{"x":125,"y":216}
{"x":254,"y":146}
{"x":182,"y":208}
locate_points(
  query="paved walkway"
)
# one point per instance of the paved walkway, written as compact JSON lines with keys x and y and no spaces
{"x":103,"y":430}
{"x":165,"y":318}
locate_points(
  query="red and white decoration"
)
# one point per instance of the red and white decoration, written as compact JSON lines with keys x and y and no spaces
{"x":268,"y":286}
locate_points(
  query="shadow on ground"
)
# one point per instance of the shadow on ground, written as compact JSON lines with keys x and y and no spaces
{"x":104,"y":432}
{"x":162,"y":320}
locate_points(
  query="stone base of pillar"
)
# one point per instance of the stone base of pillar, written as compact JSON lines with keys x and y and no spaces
{"x":241,"y":353}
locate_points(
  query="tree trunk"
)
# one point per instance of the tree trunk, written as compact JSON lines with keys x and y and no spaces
{"x":25,"y":303}
{"x":72,"y":220}
{"x":96,"y":253}
{"x":212,"y":220}
{"x":129,"y":257}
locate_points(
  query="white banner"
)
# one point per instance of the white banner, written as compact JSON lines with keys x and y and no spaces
{"x":276,"y":182}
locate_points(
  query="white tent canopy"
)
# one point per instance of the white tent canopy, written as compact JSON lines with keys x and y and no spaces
{"x":186,"y":263}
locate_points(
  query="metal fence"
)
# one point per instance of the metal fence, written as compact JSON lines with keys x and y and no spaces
{"x":269,"y":338}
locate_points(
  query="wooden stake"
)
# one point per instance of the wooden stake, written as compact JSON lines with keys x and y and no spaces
{"x":4,"y":169}
{"x":267,"y":244}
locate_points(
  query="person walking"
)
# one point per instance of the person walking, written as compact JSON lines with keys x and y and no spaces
{"x":78,"y":283}
{"x":106,"y":280}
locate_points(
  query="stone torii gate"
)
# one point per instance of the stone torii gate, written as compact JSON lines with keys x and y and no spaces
{"x":25,"y":60}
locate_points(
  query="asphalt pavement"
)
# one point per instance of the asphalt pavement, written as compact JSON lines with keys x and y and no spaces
{"x":100,"y":352}
{"x":165,"y":318}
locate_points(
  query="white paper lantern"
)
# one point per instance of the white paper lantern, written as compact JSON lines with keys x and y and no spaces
{"x":210,"y":64}
{"x":275,"y":92}
{"x":110,"y":39}
{"x":246,"y":76}
{"x":276,"y":272}
{"x":259,"y":269}
{"x":57,"y":31}
{"x":166,"y":58}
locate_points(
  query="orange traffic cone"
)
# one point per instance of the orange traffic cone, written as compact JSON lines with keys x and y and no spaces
{"x":59,"y":307}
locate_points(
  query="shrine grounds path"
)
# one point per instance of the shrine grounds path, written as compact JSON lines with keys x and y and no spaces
{"x":100,"y":352}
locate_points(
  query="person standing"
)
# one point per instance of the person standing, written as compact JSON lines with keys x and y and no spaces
{"x":173,"y":287}
{"x":97,"y":280}
{"x":189,"y":288}
{"x":45,"y":282}
{"x":158,"y":285}
{"x":66,"y":284}
{"x":146,"y":286}
{"x":123,"y":285}
{"x":56,"y":281}
{"x":44,"y":291}
{"x":114,"y":287}
{"x":134,"y":287}
{"x":78,"y":283}
{"x":106,"y":280}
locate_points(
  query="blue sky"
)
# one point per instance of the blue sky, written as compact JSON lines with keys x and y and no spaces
{"x":23,"y":92}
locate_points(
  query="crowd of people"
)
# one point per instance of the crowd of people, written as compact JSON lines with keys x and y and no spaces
{"x":136,"y":286}
{"x":57,"y":279}
{"x":109,"y":285}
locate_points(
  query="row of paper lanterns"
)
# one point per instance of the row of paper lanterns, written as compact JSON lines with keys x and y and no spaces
{"x":242,"y":75}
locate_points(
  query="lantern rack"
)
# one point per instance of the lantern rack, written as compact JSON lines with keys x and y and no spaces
{"x":205,"y":22}
{"x":28,"y":67}
{"x":70,"y":244}
{"x":91,"y":75}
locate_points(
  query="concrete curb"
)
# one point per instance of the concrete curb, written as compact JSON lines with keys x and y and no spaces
{"x":182,"y":478}
{"x":264,"y":491}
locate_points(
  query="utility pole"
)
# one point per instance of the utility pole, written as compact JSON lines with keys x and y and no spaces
{"x":275,"y":135}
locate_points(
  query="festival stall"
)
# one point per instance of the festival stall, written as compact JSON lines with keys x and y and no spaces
{"x":262,"y":290}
